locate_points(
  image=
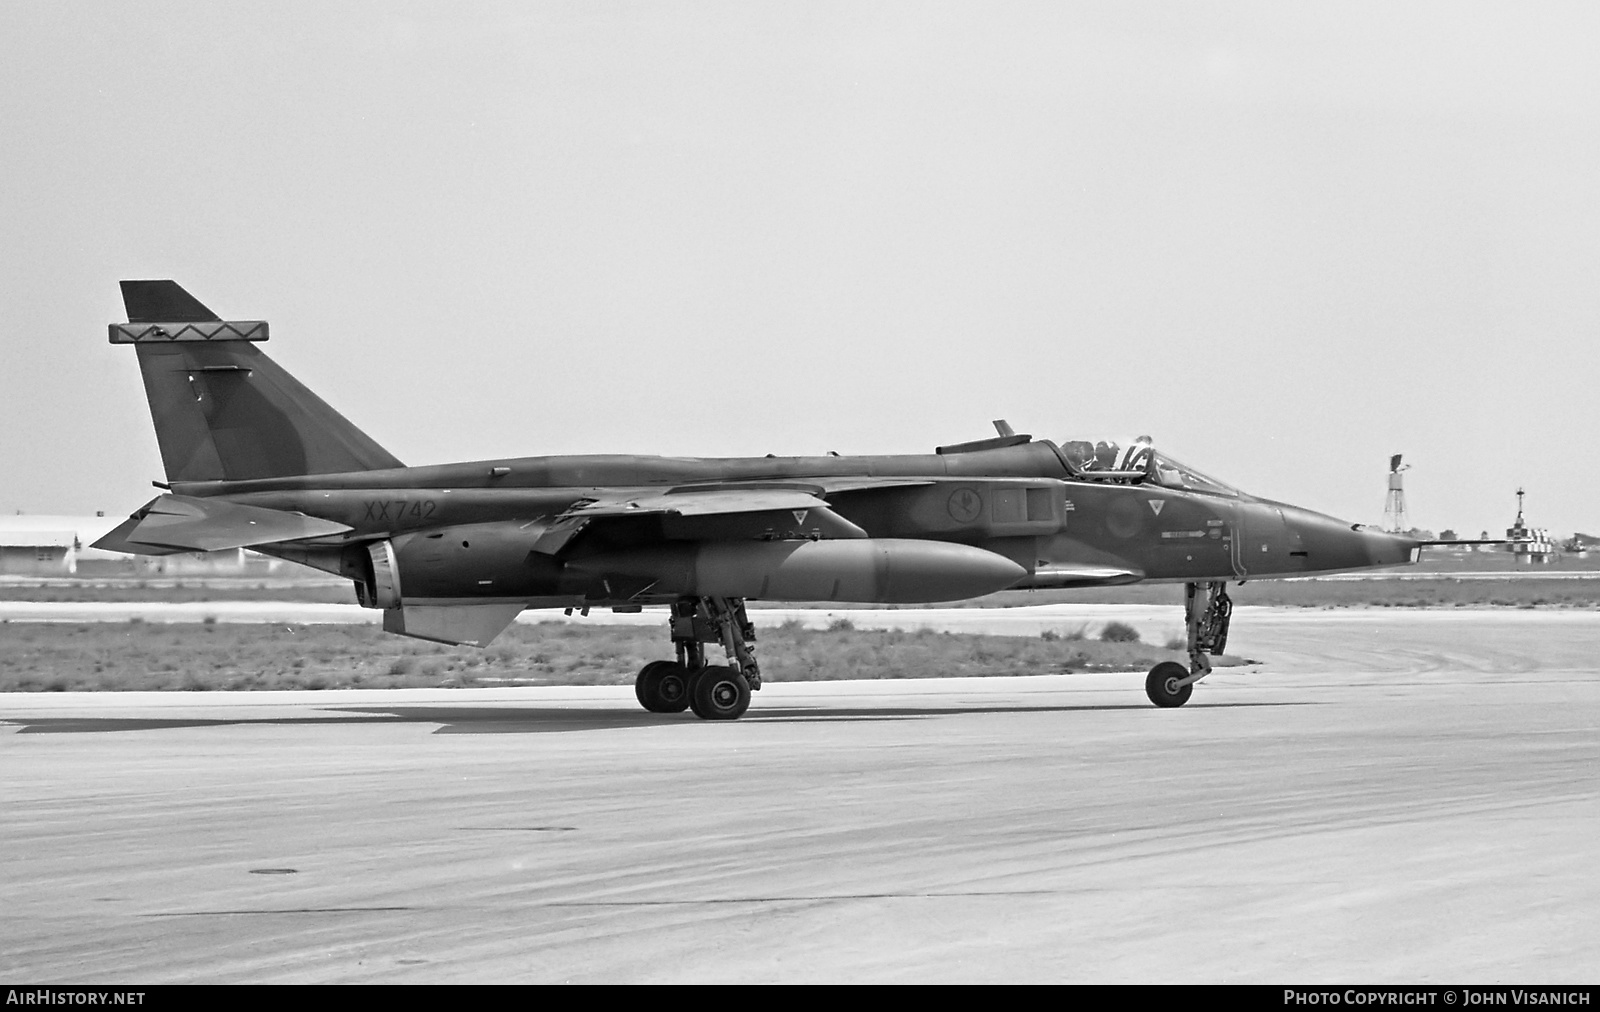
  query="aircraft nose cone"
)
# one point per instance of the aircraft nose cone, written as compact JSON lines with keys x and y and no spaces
{"x":1333,"y":544}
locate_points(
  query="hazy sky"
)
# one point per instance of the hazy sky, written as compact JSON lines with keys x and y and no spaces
{"x":1286,"y":240}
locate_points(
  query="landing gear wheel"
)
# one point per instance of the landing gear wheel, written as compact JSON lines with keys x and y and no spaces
{"x":672,"y":688}
{"x":662,"y":687}
{"x":1162,"y":685}
{"x":719,"y":693}
{"x":644,"y":686}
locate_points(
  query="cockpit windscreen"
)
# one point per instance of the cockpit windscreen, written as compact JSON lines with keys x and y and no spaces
{"x":1140,"y":460}
{"x":1169,"y":473}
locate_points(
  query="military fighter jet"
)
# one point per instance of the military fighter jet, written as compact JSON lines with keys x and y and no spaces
{"x":453,"y":552}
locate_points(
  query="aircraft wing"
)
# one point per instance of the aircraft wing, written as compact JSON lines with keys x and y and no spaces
{"x":818,"y":485}
{"x":699,"y":501}
{"x":857,"y":483}
{"x":711,"y":511}
{"x":733,"y":497}
{"x":180,"y":523}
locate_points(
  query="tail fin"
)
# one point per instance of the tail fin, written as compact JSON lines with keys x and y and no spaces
{"x":223,"y":410}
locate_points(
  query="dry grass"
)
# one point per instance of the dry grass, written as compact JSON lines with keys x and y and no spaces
{"x":1438,"y":588}
{"x":1119,"y":632}
{"x":201,"y":656}
{"x":178,"y":591}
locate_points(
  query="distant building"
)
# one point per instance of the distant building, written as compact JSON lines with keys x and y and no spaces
{"x":38,"y":544}
{"x":1582,"y":544}
{"x":51,"y":545}
{"x":38,"y":553}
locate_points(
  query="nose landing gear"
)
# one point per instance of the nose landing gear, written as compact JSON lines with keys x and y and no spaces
{"x":1168,"y":684}
{"x":1207,"y":610}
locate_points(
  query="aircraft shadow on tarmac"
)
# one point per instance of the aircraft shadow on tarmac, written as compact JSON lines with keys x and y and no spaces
{"x":537,"y":720}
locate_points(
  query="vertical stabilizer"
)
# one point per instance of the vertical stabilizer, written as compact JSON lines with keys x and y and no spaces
{"x":223,"y":410}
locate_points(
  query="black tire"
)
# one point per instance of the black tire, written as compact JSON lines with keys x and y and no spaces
{"x":1162,"y":688}
{"x":719,"y":693}
{"x":672,"y":687}
{"x":647,"y":687}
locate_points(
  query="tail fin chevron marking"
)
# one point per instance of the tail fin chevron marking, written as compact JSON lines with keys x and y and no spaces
{"x":218,"y":330}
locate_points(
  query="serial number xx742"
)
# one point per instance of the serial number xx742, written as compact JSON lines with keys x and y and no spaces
{"x":398,"y":510}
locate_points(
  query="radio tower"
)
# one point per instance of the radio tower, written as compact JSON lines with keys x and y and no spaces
{"x":1394,"y":511}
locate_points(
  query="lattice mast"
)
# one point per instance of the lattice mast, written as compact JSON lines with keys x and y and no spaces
{"x":1529,"y":544}
{"x":1394,"y":510}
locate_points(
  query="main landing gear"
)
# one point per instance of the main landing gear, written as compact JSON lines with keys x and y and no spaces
{"x":1206,"y":611}
{"x":713,"y":691}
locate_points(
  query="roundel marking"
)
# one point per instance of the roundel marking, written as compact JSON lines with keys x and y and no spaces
{"x":965,"y":505}
{"x":1126,"y":518}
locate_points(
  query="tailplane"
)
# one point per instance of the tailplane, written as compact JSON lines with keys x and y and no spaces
{"x":223,"y":410}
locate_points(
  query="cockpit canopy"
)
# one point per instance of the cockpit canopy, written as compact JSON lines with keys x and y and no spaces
{"x":1138,"y":462}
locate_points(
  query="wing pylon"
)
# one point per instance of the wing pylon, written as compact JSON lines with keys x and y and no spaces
{"x":1066,"y":577}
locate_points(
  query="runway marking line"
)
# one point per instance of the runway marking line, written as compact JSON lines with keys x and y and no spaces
{"x":805,"y":899}
{"x":294,"y":910}
{"x":829,"y":897}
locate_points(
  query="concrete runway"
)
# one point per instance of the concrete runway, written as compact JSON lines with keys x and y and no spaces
{"x":1388,"y":796}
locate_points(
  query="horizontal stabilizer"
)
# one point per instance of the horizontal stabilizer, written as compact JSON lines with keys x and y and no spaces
{"x":1066,"y":577}
{"x":180,"y":523}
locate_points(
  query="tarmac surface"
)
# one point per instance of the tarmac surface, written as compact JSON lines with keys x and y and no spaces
{"x":1389,"y":796}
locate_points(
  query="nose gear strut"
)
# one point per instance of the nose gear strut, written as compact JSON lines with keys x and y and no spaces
{"x":1206,"y":615}
{"x":1207,"y":610}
